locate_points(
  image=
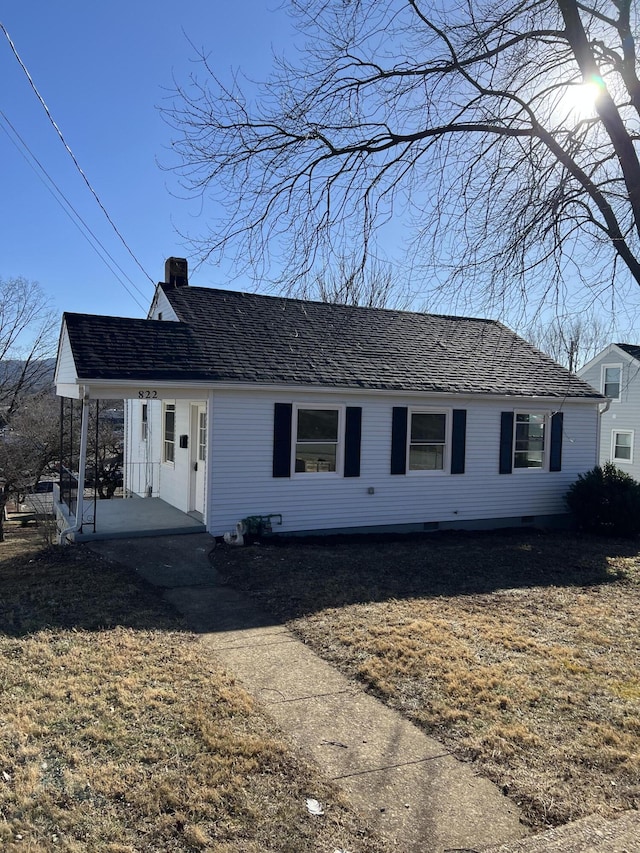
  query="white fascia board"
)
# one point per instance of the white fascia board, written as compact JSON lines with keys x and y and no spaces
{"x":135,"y":389}
{"x":612,"y":351}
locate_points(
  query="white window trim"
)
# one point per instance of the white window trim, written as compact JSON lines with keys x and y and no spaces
{"x":165,"y":461}
{"x":613,"y":457}
{"x":603,"y":370}
{"x":547,"y":439}
{"x":446,"y":460}
{"x":340,"y":408}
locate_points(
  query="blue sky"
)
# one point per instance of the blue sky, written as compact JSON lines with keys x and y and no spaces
{"x":104,"y":69}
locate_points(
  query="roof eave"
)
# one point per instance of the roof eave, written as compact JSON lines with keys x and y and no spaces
{"x":166,"y":388}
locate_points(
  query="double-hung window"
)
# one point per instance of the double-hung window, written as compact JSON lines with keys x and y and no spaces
{"x":144,"y":434}
{"x":169,"y":432}
{"x":622,"y":445}
{"x":317,"y":446}
{"x":612,"y":380}
{"x":427,"y":441}
{"x":529,"y":440}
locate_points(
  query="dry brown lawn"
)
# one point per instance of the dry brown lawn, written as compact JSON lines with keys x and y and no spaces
{"x":520,"y":651}
{"x":119,"y":732}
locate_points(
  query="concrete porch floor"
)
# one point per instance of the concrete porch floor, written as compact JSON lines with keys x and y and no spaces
{"x":122,"y":518}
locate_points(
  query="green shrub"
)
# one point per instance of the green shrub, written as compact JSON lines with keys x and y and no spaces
{"x":606,"y":500}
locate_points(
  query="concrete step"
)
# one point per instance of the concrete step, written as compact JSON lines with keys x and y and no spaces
{"x":593,"y":834}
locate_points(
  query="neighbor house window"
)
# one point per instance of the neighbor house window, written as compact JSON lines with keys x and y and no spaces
{"x":622,"y":445}
{"x":529,"y":440}
{"x":427,"y":441}
{"x":169,"y":437}
{"x":145,"y":421}
{"x":611,"y":380}
{"x":317,"y":442}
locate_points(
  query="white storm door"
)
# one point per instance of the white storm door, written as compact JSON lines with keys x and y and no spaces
{"x":198,"y":456}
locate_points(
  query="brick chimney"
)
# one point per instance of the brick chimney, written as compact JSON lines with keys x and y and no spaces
{"x":175,"y":272}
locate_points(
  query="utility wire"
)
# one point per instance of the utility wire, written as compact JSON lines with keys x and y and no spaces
{"x":70,"y":152}
{"x":78,"y":219}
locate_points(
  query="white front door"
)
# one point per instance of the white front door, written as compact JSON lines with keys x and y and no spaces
{"x":198,"y":443}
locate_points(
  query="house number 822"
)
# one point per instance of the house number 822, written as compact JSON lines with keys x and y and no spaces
{"x":147,"y":395}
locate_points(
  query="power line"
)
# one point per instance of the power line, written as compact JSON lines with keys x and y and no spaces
{"x":70,"y":152}
{"x":78,"y":218}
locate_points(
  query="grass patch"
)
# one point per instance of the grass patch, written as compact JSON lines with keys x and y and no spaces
{"x":120,"y":732}
{"x":519,"y":651}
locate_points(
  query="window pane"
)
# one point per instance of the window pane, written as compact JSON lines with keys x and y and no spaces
{"x":202,"y":436}
{"x":312,"y":458}
{"x":426,"y":457}
{"x":169,"y":432}
{"x":145,"y":423}
{"x":528,"y":459}
{"x":622,"y":448}
{"x":428,"y":426}
{"x":170,"y":423}
{"x":529,"y":441}
{"x":317,"y":424}
{"x":612,"y":381}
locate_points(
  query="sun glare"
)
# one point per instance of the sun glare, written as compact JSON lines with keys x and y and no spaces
{"x":581,"y":98}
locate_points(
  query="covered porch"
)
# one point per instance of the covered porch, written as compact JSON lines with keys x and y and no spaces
{"x":123,"y":518}
{"x":139,"y":495}
{"x":158,"y":482}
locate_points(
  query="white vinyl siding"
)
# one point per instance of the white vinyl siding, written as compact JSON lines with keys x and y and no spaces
{"x":65,"y":365}
{"x":161,"y":308}
{"x":622,"y":415}
{"x":242,"y":482}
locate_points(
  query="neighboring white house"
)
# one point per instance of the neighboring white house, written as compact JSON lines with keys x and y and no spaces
{"x":330,"y":417}
{"x":615,"y":372}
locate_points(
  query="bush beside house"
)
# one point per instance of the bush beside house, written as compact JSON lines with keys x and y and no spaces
{"x":606,"y":500}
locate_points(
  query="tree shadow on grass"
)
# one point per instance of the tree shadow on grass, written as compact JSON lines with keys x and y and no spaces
{"x":296,"y":577}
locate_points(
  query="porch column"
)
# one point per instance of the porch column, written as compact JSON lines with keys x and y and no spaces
{"x":82,"y":467}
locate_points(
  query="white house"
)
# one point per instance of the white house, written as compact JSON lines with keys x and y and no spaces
{"x":615,"y":373}
{"x":328,"y":417}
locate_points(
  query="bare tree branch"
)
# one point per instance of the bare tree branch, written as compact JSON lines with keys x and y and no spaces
{"x":460,"y":121}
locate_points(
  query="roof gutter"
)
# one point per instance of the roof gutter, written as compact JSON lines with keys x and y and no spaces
{"x":139,"y":389}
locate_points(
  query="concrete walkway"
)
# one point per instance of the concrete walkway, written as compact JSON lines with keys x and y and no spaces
{"x":404,"y":784}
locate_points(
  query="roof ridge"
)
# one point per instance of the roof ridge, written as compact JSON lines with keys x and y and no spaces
{"x":168,"y":289}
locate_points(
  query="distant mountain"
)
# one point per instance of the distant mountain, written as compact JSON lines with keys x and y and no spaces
{"x":39,"y":374}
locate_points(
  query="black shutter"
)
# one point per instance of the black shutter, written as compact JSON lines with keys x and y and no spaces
{"x":458,"y":440}
{"x":555,"y":451}
{"x":506,"y":442}
{"x":399,"y":440}
{"x":282,"y":439}
{"x":352,"y":437}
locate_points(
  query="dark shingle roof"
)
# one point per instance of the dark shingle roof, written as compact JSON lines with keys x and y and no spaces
{"x":631,"y":349}
{"x":124,"y":348}
{"x":224,"y":336}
